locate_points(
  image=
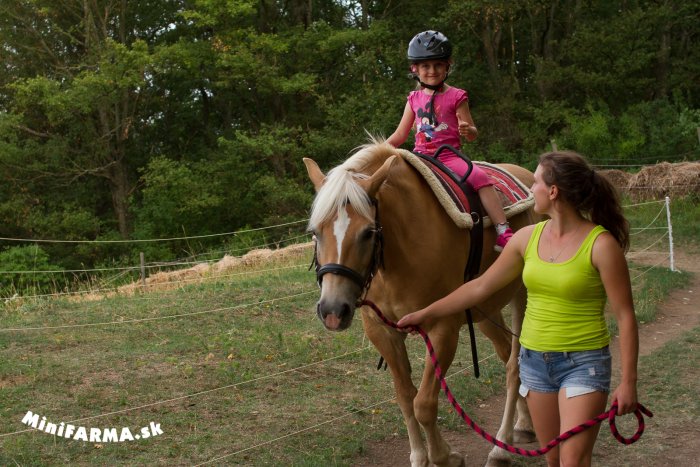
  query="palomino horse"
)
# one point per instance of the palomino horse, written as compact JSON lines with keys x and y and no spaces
{"x":376,"y":197}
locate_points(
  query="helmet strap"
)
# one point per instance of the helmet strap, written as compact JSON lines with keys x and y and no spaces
{"x":432,"y":87}
{"x":431,"y":105}
{"x":435,"y":88}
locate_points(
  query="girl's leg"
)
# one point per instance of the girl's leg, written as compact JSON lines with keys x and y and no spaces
{"x":578,"y":450}
{"x":492,"y":204}
{"x":544,"y":412}
{"x":481,"y":183}
{"x":494,"y":208}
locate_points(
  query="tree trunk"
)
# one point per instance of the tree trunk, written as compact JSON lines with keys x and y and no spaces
{"x":491,"y":40}
{"x":663,"y":58}
{"x":120,"y":188}
{"x":542,"y":30}
{"x":113,"y":119}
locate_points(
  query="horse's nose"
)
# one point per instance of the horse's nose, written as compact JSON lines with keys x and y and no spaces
{"x":335,"y":316}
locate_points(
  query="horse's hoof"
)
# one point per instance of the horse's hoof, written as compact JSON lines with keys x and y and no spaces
{"x":456,"y":460}
{"x":498,"y":463}
{"x":524,"y":436}
{"x":419,"y":459}
{"x":499,"y":458}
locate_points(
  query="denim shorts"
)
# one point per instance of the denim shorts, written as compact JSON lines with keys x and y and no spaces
{"x":579,"y":372}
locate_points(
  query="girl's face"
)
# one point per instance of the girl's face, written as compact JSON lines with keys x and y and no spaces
{"x":542,"y":192}
{"x":431,"y":72}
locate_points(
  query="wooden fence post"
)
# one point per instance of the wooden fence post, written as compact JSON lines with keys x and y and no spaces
{"x":143,"y":270}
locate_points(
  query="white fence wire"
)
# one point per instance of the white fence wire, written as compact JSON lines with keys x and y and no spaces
{"x":160,"y":265}
{"x":655,"y":242}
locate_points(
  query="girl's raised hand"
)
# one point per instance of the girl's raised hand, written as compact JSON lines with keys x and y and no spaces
{"x":467,"y":130}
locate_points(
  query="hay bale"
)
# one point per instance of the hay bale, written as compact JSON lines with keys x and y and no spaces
{"x":297,"y":250}
{"x":169,"y":276}
{"x":226,"y":263}
{"x":200,"y":269}
{"x":168,"y":280}
{"x":129,"y":289}
{"x":665,"y":179}
{"x":618,"y":178}
{"x":256,"y":257}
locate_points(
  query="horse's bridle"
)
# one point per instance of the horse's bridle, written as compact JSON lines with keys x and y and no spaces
{"x":377,"y":260}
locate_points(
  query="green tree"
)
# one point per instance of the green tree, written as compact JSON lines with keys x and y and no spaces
{"x":32,"y":265}
{"x":75,"y":101}
{"x":150,"y":118}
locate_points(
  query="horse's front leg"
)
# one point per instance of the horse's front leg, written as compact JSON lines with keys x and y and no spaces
{"x":391,"y":345}
{"x":523,"y":427}
{"x":444,"y":337}
{"x":499,"y":457}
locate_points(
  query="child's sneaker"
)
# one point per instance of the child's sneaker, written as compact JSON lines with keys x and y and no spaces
{"x":502,"y":239}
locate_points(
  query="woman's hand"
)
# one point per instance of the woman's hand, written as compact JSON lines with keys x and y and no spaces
{"x":411,"y":319}
{"x":626,"y":397}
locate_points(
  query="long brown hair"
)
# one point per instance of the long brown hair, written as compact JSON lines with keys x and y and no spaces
{"x":587,"y":190}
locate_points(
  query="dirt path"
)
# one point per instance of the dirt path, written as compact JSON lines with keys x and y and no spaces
{"x":677,"y":314}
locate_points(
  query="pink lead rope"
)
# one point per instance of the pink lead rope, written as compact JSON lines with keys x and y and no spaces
{"x":609,"y":414}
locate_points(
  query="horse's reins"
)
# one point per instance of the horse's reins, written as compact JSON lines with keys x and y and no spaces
{"x":609,"y":414}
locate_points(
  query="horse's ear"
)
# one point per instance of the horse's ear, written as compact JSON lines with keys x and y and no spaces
{"x":372,"y":184}
{"x":314,"y":172}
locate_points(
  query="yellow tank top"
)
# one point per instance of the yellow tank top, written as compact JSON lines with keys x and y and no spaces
{"x":565,"y":301}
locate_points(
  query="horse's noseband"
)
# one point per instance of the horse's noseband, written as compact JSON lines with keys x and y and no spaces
{"x":339,"y":269}
{"x":377,"y":260}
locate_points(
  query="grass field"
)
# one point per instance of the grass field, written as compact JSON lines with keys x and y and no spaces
{"x":232,"y":371}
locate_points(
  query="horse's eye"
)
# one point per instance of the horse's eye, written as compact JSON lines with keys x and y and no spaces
{"x":368,"y":234}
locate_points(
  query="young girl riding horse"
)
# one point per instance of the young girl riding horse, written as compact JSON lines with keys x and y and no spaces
{"x":440,"y":114}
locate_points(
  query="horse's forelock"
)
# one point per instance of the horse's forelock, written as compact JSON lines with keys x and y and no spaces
{"x":340,"y":186}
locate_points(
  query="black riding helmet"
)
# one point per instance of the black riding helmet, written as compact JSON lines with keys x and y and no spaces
{"x":429,"y":45}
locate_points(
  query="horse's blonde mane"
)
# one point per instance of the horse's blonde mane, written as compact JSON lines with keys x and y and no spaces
{"x":340,"y":186}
